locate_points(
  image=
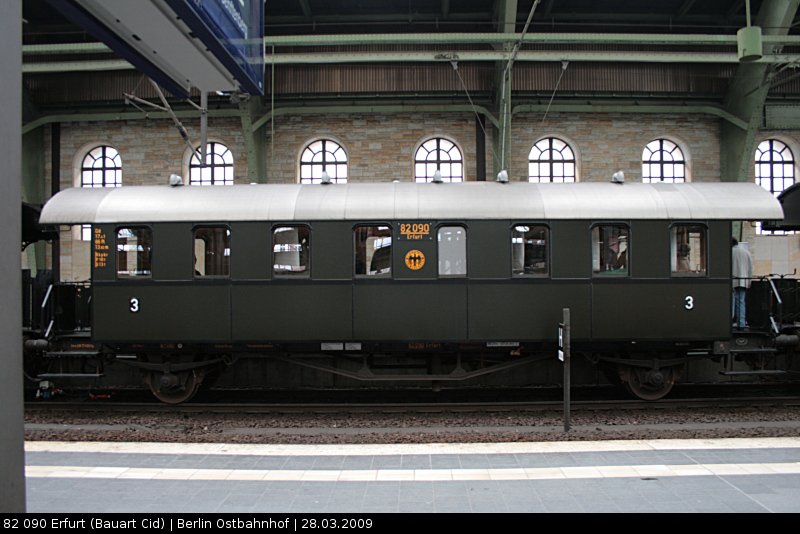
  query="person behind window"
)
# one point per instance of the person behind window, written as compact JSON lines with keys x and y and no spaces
{"x":683,"y":258}
{"x":619,"y":250}
{"x":741,"y":273}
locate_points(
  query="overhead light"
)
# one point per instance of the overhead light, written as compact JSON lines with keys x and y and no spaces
{"x":437,"y":177}
{"x":618,"y":177}
{"x":326,"y":178}
{"x":502,"y":176}
{"x":748,"y":40}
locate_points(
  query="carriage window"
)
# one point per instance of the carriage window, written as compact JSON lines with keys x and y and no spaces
{"x":688,"y":250}
{"x":529,"y":250}
{"x":610,"y":250}
{"x":373,"y":250}
{"x":212,"y":252}
{"x":452,"y":251}
{"x":134,"y":249}
{"x":291,"y":251}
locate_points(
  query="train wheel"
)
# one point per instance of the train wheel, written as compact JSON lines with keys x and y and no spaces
{"x":174,"y":388}
{"x":650,"y":384}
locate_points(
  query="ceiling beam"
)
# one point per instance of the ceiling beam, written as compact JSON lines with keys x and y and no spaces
{"x":534,"y":56}
{"x":632,"y":108}
{"x":429,"y":57}
{"x":455,"y":38}
{"x":511,"y":37}
{"x":373,"y":108}
{"x":107,"y":116}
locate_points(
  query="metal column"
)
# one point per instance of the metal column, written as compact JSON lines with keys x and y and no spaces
{"x":12,"y":465}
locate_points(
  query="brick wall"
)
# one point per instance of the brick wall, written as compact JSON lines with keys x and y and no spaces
{"x":605,"y":143}
{"x":380,"y":147}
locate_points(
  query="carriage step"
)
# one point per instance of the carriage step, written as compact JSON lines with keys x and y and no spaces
{"x":49,"y":376}
{"x":71,"y":354}
{"x":765,"y":372}
{"x":745,"y":350}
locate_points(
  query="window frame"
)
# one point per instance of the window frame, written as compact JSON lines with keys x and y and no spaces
{"x":466,"y":250}
{"x":210,"y":153}
{"x":609,"y":273}
{"x":227,"y":276}
{"x":564,"y":179}
{"x":689,"y":274}
{"x":438,"y":161}
{"x":366,"y":275}
{"x":661,"y":162}
{"x":120,"y":276}
{"x":290,"y":275}
{"x":335,"y":178}
{"x":759,"y":180}
{"x":524,"y":275}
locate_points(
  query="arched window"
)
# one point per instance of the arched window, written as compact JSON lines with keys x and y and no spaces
{"x":323,"y":155}
{"x":774,"y":171}
{"x":662,"y":161}
{"x":438,"y":154}
{"x":551,"y":160}
{"x":101,"y":167}
{"x":218,"y":169}
{"x":774,"y":166}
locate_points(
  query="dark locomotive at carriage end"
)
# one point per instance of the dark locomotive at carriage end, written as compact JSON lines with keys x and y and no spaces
{"x":403,"y":283}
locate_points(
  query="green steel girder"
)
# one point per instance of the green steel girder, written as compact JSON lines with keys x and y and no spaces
{"x":503,"y":78}
{"x":633,"y":107}
{"x":454,"y":38}
{"x":509,"y":37}
{"x":122,"y":116}
{"x":427,"y":57}
{"x":532,"y":56}
{"x":373,"y":108}
{"x":255,"y":125}
{"x":254,"y":141}
{"x":747,"y":95}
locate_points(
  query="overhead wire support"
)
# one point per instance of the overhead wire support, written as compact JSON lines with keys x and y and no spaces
{"x":453,"y":59}
{"x":166,"y":108}
{"x":505,"y":106}
{"x":564,"y":65}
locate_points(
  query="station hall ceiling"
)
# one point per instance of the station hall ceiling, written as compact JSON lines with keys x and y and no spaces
{"x":43,"y":24}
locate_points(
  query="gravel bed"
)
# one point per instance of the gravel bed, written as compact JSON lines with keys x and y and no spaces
{"x":59,"y":425}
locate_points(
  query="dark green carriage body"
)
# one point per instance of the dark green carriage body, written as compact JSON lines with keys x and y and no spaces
{"x":487,"y":305}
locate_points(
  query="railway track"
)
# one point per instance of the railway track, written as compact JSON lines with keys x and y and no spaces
{"x":411,"y":408}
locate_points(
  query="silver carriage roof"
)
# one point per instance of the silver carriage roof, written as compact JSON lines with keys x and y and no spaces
{"x":394,"y":201}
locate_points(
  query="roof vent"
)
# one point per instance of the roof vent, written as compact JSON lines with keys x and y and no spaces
{"x":437,"y":177}
{"x":502,"y":177}
{"x":618,"y":177}
{"x":175,"y":180}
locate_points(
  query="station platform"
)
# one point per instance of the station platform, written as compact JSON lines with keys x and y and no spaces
{"x":724,"y":475}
